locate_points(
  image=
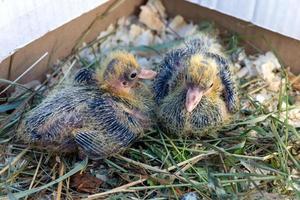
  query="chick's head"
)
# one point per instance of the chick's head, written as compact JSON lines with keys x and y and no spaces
{"x":202,"y":79}
{"x":120,"y":74}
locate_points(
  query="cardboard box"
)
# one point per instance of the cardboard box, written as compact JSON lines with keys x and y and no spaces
{"x":60,"y":42}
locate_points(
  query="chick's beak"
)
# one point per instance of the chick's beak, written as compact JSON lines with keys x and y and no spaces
{"x":193,"y":97}
{"x":147,"y":74}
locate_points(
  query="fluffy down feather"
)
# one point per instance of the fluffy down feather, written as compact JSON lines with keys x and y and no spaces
{"x":96,"y":113}
{"x":194,"y":90}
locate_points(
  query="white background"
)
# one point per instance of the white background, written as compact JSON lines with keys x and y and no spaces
{"x":23,"y":21}
{"x":282,"y":16}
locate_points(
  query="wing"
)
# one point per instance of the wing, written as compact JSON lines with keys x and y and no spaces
{"x":52,"y":119}
{"x":85,"y":76}
{"x":98,"y":145}
{"x":91,"y":143}
{"x":169,"y":68}
{"x":106,"y":134}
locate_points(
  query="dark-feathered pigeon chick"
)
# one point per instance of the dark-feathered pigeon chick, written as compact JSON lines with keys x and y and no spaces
{"x":194,"y":90}
{"x":101,"y":113}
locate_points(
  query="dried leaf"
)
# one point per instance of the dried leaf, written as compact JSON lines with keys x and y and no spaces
{"x":265,"y":66}
{"x":85,"y":183}
{"x":152,"y":15}
{"x":177,"y":23}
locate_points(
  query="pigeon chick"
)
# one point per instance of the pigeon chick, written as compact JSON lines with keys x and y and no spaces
{"x":101,"y":112}
{"x":194,"y":90}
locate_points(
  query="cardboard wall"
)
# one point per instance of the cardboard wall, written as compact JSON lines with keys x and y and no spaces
{"x":287,"y":49}
{"x":60,"y":42}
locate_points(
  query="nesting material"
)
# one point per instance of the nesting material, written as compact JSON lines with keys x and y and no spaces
{"x":246,"y":151}
{"x":179,"y":26}
{"x":266,"y":66}
{"x":152,"y":28}
{"x":152,"y":15}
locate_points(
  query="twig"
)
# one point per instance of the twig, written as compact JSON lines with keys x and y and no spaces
{"x":60,"y":184}
{"x":250,"y":82}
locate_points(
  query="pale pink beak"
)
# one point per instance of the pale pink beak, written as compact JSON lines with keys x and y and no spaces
{"x":147,"y":74}
{"x":193,"y":97}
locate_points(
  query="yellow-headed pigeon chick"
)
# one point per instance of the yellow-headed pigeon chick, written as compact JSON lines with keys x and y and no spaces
{"x":194,"y":90}
{"x":101,"y":112}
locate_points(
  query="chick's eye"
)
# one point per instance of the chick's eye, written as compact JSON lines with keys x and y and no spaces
{"x":211,"y":85}
{"x":133,"y":75}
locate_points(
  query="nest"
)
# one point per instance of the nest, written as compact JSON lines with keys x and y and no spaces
{"x":255,"y":156}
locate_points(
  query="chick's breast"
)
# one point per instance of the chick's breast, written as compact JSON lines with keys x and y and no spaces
{"x":174,"y":118}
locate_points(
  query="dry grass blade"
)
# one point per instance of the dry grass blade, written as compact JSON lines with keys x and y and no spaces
{"x":201,"y":184}
{"x":36,"y":172}
{"x":60,"y":184}
{"x":142,"y":165}
{"x":124,"y":188}
{"x":17,"y":158}
{"x":256,"y":152}
{"x":25,"y":72}
{"x":67,"y":73}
